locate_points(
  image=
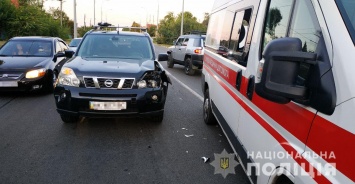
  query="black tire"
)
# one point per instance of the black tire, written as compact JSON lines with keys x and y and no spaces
{"x":188,"y":67}
{"x":170,"y":61}
{"x":69,"y":118}
{"x":158,"y":119}
{"x":208,"y":116}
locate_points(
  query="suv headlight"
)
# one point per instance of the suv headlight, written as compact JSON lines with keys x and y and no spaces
{"x":35,"y":73}
{"x":67,"y":77}
{"x":150,"y":80}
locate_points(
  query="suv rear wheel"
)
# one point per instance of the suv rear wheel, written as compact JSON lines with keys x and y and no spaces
{"x":188,"y":67}
{"x":170,"y":61}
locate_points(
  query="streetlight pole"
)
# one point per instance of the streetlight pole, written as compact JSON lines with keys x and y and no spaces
{"x":94,"y":11}
{"x":61,"y":13}
{"x":75,"y":23}
{"x":182,"y":19}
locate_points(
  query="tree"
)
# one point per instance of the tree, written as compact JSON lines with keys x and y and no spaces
{"x":31,"y":20}
{"x":169,"y":27}
{"x":206,"y":19}
{"x":151,"y":30}
{"x":135,"y":24}
{"x":273,"y":20}
{"x":83,"y":30}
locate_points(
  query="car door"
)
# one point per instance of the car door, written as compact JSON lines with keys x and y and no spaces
{"x":270,"y":128}
{"x":177,"y":50}
{"x":182,"y":49}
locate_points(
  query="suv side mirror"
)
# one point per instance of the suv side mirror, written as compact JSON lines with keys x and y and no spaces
{"x":277,"y":76}
{"x":162,"y":57}
{"x":69,"y":53}
{"x":174,"y":42}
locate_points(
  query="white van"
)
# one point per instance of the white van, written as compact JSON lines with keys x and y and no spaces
{"x":283,"y":87}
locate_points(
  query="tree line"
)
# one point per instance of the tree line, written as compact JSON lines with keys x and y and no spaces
{"x":170,"y":27}
{"x":30,"y":19}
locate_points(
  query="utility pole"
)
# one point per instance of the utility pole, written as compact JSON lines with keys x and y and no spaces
{"x":75,"y":23}
{"x":182,"y":19}
{"x":94,"y":12}
{"x":61,"y":12}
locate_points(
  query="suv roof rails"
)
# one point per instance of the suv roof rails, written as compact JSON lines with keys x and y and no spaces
{"x":195,"y":32}
{"x":107,"y":26}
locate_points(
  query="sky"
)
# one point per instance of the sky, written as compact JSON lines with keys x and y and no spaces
{"x":124,"y":12}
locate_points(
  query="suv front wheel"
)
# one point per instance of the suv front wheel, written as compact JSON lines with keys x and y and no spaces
{"x":188,"y":67}
{"x":170,"y":61}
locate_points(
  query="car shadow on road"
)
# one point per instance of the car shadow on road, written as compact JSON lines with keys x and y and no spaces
{"x":112,"y":124}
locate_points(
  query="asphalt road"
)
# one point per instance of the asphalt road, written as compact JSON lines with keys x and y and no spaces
{"x":36,"y":147}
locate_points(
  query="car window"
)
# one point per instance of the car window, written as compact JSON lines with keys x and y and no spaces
{"x":197,"y":42}
{"x":238,"y":51}
{"x":74,"y":42}
{"x":303,"y":25}
{"x":116,"y":46}
{"x":63,"y":46}
{"x":347,"y":10}
{"x":28,"y":48}
{"x":277,"y":20}
{"x":179,"y":41}
{"x":58,"y":48}
{"x":186,"y":41}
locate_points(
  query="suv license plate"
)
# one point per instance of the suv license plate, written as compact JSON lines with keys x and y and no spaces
{"x":8,"y":84}
{"x":111,"y":106}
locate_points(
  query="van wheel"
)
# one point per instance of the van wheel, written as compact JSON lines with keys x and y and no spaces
{"x":208,"y":116}
{"x":170,"y":61}
{"x":69,"y":119}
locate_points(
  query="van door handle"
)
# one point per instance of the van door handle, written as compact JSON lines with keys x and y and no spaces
{"x":250,"y":87}
{"x":238,"y":80}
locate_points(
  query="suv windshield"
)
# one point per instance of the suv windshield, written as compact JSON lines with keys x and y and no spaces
{"x":35,"y":48}
{"x":347,"y":10}
{"x":116,"y":46}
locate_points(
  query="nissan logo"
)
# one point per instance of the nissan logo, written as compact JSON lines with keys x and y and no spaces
{"x":108,"y":83}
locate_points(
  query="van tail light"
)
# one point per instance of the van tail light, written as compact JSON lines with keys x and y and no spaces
{"x":198,"y":51}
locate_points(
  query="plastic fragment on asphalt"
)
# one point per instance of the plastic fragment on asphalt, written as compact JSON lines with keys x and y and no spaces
{"x":220,"y":135}
{"x":184,"y":128}
{"x":205,"y":159}
{"x":187,"y":151}
{"x":189,"y":135}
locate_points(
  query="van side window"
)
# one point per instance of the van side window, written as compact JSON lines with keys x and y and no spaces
{"x":277,"y":20}
{"x":238,"y":50}
{"x":219,"y":29}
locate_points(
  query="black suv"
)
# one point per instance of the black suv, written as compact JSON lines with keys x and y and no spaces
{"x":112,"y":73}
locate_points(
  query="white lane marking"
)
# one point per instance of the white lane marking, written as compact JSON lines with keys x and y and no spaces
{"x":185,"y":86}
